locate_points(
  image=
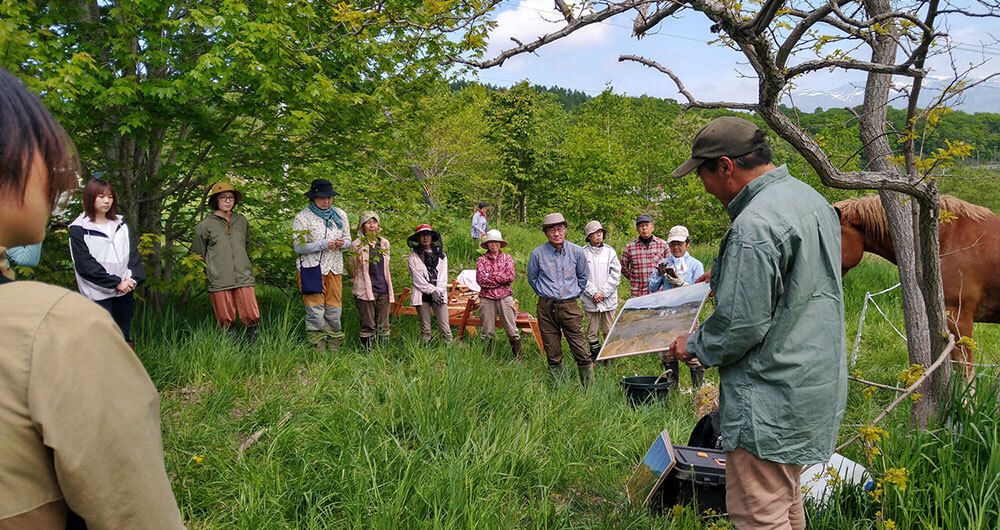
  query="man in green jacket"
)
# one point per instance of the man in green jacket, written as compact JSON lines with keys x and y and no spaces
{"x":222,"y":239}
{"x":777,"y":333}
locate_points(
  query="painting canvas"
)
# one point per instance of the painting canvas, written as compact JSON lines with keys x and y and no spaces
{"x":650,"y":323}
{"x":653,"y":468}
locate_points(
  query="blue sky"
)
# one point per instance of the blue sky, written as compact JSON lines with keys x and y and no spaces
{"x":588,"y":59}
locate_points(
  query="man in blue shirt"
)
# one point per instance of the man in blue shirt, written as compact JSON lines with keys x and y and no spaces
{"x":557,"y":272}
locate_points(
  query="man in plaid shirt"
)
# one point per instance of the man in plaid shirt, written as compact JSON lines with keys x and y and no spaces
{"x":641,"y":256}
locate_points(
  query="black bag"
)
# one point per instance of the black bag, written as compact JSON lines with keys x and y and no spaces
{"x":708,"y":432}
{"x":311,"y":278}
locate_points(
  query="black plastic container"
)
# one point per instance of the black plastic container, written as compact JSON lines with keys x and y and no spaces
{"x":641,"y":389}
{"x":698,"y":479}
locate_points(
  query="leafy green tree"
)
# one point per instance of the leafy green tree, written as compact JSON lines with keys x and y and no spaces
{"x":167,"y":96}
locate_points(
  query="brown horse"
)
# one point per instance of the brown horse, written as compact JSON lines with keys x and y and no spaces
{"x":970,"y":258}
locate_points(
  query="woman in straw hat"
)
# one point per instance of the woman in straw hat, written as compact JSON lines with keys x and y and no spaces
{"x":429,"y":271}
{"x":321,"y":233}
{"x":494,"y":274}
{"x":222,"y":239}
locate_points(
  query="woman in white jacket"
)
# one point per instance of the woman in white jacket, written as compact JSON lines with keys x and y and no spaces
{"x":429,"y":272}
{"x":600,"y":296}
{"x":107,"y":264}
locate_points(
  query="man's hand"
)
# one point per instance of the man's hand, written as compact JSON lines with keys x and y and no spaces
{"x":598,"y":298}
{"x":678,"y":348}
{"x":704,"y":277}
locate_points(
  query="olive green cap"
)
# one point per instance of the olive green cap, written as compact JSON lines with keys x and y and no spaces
{"x":726,"y":136}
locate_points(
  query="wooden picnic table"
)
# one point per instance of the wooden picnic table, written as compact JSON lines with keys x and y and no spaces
{"x":463,"y":311}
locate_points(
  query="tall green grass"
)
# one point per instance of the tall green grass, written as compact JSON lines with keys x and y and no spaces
{"x":443,"y":436}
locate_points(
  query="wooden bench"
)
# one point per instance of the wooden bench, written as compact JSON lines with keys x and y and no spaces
{"x":463,"y":307}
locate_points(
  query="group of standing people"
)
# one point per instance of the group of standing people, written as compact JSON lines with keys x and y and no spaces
{"x":73,"y":392}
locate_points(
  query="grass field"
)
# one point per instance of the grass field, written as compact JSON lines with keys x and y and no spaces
{"x":410,"y":436}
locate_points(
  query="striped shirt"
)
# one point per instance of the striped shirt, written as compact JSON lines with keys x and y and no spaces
{"x":558,"y":274}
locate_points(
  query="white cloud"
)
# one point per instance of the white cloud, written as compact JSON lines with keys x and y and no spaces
{"x":535,"y":18}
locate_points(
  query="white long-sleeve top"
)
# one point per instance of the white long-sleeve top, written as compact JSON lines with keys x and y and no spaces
{"x":605,"y":275}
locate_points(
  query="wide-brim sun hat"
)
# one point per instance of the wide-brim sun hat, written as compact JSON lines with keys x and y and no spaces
{"x":493,"y":235}
{"x":592,"y":227}
{"x":320,"y":188}
{"x":220,"y":187}
{"x":414,"y":240}
{"x":553,"y":219}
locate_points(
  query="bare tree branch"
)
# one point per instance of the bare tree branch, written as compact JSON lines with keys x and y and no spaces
{"x":852,"y":64}
{"x":692,"y":102}
{"x":642,"y":23}
{"x":579,"y":23}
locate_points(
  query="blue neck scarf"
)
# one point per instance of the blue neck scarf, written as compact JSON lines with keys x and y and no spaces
{"x":327,"y":215}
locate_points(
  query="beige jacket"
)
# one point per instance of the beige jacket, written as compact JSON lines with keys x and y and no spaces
{"x":362,"y":281}
{"x":79,"y":418}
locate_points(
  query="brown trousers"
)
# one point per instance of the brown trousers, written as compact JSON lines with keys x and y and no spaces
{"x":229,"y":302}
{"x":374,"y":315}
{"x":558,"y":319}
{"x":489,"y":309}
{"x":763,"y":495}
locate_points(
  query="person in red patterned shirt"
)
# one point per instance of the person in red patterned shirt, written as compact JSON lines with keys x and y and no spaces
{"x":494,"y":274}
{"x":641,"y":256}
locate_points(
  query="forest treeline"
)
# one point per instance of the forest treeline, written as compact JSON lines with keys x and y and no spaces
{"x":527,"y":150}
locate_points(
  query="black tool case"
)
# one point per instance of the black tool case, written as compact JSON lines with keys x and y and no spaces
{"x":698,"y":479}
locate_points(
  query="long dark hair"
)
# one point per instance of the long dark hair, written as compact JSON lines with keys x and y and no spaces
{"x":90,"y":192}
{"x":26,"y":129}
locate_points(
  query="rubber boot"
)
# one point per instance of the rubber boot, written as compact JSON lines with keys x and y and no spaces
{"x":595,"y":349}
{"x":253,"y":333}
{"x":674,"y":376}
{"x":586,"y":374}
{"x":488,"y":346}
{"x":367,"y":343}
{"x":515,"y":348}
{"x":697,"y":377}
{"x":333,"y":343}
{"x":320,"y":345}
{"x":557,"y":372}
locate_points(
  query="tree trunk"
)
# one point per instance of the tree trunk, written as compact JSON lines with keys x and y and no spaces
{"x":523,"y":207}
{"x":903,"y":227}
{"x":418,"y":174}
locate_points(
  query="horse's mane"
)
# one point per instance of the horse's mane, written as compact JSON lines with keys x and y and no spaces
{"x":868,"y":211}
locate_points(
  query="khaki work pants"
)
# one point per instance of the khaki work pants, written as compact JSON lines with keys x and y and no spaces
{"x":598,"y":324}
{"x":562,"y":318}
{"x":763,"y":495}
{"x":489,"y":309}
{"x":229,"y":302}
{"x":373,"y":315}
{"x":440,"y":314}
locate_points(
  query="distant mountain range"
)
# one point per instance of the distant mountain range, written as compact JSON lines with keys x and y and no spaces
{"x":984,"y":97}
